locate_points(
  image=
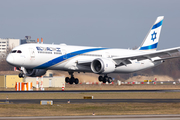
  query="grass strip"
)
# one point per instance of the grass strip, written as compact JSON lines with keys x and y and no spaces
{"x":88,"y":109}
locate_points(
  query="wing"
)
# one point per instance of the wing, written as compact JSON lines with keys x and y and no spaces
{"x":126,"y":59}
{"x":123,"y":60}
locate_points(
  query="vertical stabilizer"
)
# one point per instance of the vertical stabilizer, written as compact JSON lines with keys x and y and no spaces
{"x":151,"y":40}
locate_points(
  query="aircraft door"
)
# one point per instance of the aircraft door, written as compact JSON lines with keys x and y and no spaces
{"x":32,"y":53}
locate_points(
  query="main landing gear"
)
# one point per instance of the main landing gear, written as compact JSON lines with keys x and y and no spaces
{"x":72,"y":79}
{"x":105,"y":79}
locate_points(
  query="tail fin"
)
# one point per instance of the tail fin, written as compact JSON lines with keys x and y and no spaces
{"x":151,"y":40}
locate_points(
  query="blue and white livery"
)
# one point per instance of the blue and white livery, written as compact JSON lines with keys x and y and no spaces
{"x":151,"y":40}
{"x":35,"y":59}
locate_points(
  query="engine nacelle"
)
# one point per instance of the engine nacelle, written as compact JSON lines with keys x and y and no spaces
{"x":100,"y":65}
{"x":35,"y":72}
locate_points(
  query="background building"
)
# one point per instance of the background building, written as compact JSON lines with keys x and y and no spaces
{"x":7,"y":44}
{"x":27,"y":40}
{"x":9,"y":81}
{"x":47,"y":81}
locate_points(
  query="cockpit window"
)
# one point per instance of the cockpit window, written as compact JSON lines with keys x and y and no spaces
{"x":19,"y":51}
{"x":14,"y":51}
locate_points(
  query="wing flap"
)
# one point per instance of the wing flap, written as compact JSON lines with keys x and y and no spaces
{"x":166,"y":58}
{"x":148,"y":55}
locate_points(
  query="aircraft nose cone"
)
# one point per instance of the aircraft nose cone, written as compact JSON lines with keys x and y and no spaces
{"x":10,"y":59}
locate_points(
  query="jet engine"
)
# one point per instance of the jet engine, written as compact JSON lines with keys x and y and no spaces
{"x":35,"y":72}
{"x":102,"y":65}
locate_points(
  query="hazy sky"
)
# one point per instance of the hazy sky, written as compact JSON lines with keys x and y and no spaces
{"x":106,"y":23}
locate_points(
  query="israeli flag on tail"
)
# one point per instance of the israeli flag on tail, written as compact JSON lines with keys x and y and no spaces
{"x":151,"y":40}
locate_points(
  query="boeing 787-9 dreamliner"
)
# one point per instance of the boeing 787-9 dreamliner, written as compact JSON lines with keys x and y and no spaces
{"x":35,"y":59}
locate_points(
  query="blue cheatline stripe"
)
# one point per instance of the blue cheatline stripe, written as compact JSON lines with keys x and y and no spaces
{"x":64,"y":57}
{"x":153,"y":46}
{"x":157,"y":25}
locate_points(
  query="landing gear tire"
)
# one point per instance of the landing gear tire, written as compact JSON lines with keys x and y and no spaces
{"x":21,"y":75}
{"x":105,"y":79}
{"x":110,"y":80}
{"x":100,"y":78}
{"x":72,"y":79}
{"x":67,"y":79}
{"x":70,"y":82}
{"x":76,"y":81}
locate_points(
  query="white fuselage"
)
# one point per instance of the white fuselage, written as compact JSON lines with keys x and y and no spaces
{"x":66,"y":57}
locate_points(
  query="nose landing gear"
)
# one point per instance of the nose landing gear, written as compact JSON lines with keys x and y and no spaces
{"x":21,"y":75}
{"x":72,"y":79}
{"x":105,"y":79}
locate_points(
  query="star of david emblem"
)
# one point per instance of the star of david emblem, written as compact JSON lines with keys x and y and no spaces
{"x":153,"y":36}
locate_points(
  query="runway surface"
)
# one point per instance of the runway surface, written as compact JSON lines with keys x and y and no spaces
{"x":108,"y":117}
{"x":91,"y":91}
{"x":61,"y":101}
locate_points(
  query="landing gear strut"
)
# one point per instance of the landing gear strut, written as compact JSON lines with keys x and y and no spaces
{"x":72,"y":79}
{"x":105,"y":79}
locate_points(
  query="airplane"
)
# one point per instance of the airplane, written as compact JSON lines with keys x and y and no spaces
{"x":35,"y":59}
